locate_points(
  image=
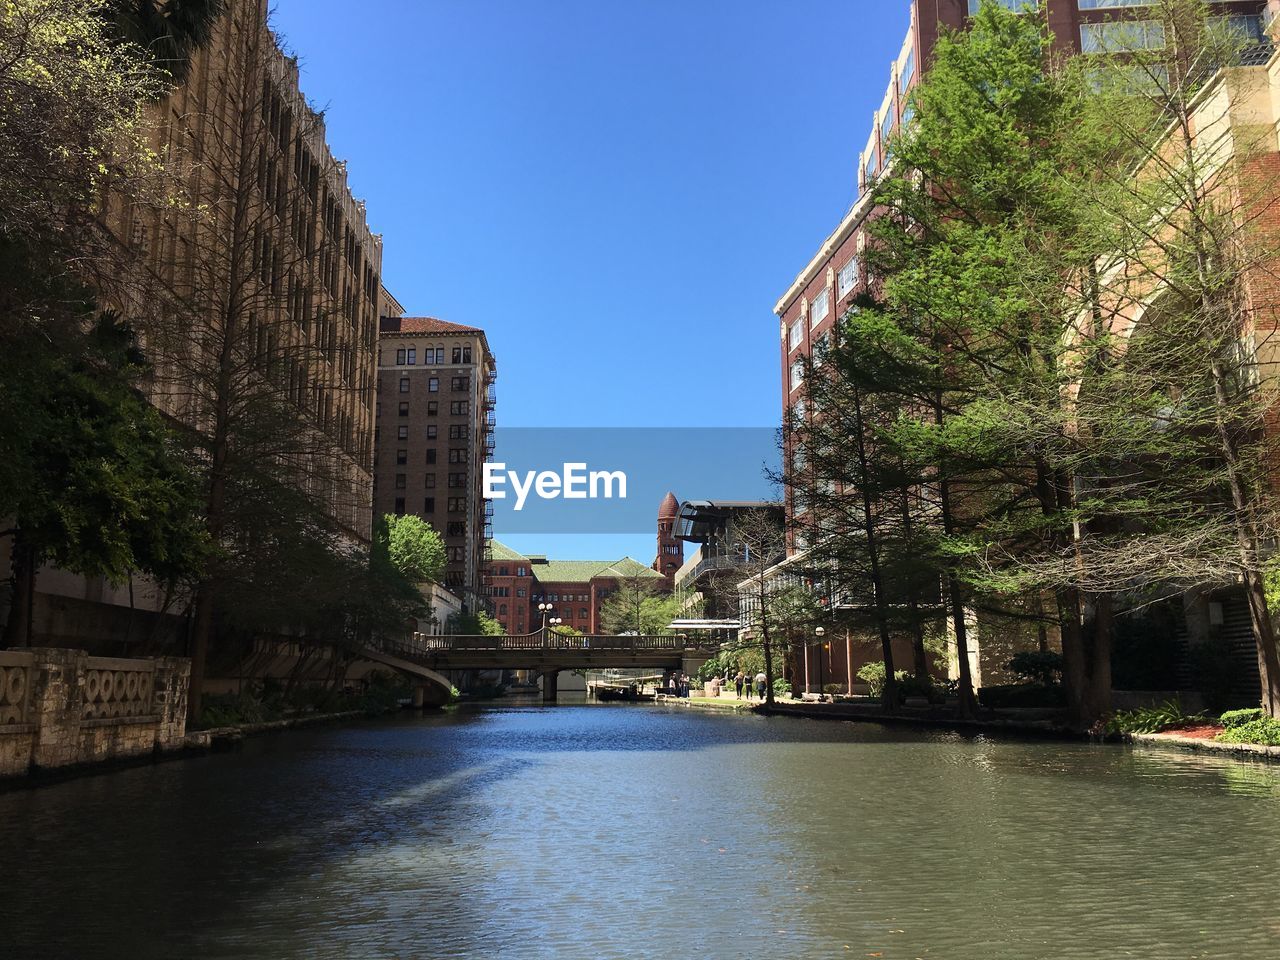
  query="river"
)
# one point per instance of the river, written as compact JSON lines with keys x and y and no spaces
{"x":636,"y":831}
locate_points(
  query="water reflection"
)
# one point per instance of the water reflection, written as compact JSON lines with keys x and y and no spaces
{"x":622,"y":831}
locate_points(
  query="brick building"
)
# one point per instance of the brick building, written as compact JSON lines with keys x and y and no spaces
{"x":810,"y":308}
{"x":576,"y":589}
{"x":434,"y":431}
{"x":286,"y":293}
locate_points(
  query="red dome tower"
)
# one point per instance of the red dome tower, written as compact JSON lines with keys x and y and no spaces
{"x":670,"y":550}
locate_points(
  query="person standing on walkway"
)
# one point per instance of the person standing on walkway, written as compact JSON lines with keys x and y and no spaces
{"x":762,"y":684}
{"x":738,"y":681}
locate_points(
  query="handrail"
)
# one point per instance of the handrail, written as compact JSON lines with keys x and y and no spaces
{"x":426,"y":645}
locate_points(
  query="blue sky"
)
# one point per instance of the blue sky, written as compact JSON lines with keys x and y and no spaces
{"x":616,"y":192}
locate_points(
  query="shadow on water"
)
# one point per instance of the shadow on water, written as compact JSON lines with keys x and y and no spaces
{"x":523,"y":830}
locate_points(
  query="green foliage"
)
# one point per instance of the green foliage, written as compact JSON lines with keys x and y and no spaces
{"x":873,"y":674}
{"x":478,"y":624}
{"x":95,"y":479}
{"x":1236,"y":718}
{"x":1042,"y":667}
{"x":414,"y":546}
{"x":781,"y":687}
{"x":1264,"y":730}
{"x":715,"y":667}
{"x":1167,"y":716}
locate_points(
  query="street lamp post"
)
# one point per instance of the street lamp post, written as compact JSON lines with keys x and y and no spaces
{"x":819,"y":632}
{"x":544,"y":609}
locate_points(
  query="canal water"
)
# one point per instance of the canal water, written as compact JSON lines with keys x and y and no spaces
{"x":637,"y":831}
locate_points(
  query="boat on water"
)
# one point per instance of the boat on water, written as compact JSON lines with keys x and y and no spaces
{"x":620,"y":694}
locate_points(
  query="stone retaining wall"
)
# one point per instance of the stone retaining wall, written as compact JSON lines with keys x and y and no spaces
{"x":62,"y":707}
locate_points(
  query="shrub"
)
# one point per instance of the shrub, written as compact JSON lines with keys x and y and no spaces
{"x":1263,"y":730}
{"x":1236,"y":718}
{"x":872,"y":674}
{"x":781,"y":687}
{"x":1041,"y":667}
{"x":1167,"y":716}
{"x":835,"y":689}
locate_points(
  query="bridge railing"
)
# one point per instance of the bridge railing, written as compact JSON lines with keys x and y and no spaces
{"x":427,"y":645}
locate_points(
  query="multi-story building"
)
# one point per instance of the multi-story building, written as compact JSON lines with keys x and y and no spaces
{"x":269,"y":283}
{"x":811,"y":307}
{"x":575,"y":589}
{"x":434,"y":431}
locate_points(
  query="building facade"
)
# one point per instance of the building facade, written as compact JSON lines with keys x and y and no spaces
{"x":434,"y":431}
{"x":575,"y":589}
{"x":270,"y":277}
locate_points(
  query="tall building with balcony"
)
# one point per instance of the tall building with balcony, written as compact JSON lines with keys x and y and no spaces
{"x":434,"y":431}
{"x":810,"y":309}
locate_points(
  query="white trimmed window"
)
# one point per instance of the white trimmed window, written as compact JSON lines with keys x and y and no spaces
{"x":796,"y":335}
{"x":848,"y":277}
{"x":907,"y":70}
{"x":797,"y":373}
{"x":820,"y":308}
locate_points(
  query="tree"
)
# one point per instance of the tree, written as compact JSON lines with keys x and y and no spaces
{"x":104,"y":489}
{"x":414,"y":547}
{"x":262,"y":327}
{"x":635,"y":605}
{"x":761,"y":543}
{"x":170,"y":32}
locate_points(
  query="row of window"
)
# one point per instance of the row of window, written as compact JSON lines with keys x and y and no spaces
{"x":457,"y":384}
{"x":408,"y":356}
{"x":820,"y":309}
{"x":457,"y":408}
{"x":504,"y":572}
{"x":456,"y":481}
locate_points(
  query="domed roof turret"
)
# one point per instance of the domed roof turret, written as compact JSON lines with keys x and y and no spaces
{"x":669,"y":508}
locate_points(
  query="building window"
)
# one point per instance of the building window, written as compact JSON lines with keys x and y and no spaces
{"x":456,"y":528}
{"x":457,"y":454}
{"x":433,"y":408}
{"x":400,"y":357}
{"x":399,"y":507}
{"x":459,"y":407}
{"x":907,"y":72}
{"x":404,"y":384}
{"x":461,"y":384}
{"x":797,"y":373}
{"x":402,"y":433}
{"x":431,"y":431}
{"x":431,"y":455}
{"x":821,"y":307}
{"x":439,"y":354}
{"x":456,"y":554}
{"x":1093,"y":4}
{"x":433,"y":385}
{"x":1117,"y":36}
{"x":459,"y":431}
{"x":886,"y":123}
{"x":412,"y":357}
{"x":797,"y":335}
{"x":404,"y":409}
{"x":457,"y":354}
{"x":429,"y":505}
{"x":401,"y":481}
{"x":402,"y":457}
{"x":466,"y":354}
{"x":521,"y":572}
{"x":459,"y":505}
{"x":430,"y":481}
{"x":848,"y":277}
{"x":1240,"y":26}
{"x":1032,"y":4}
{"x":519,"y":591}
